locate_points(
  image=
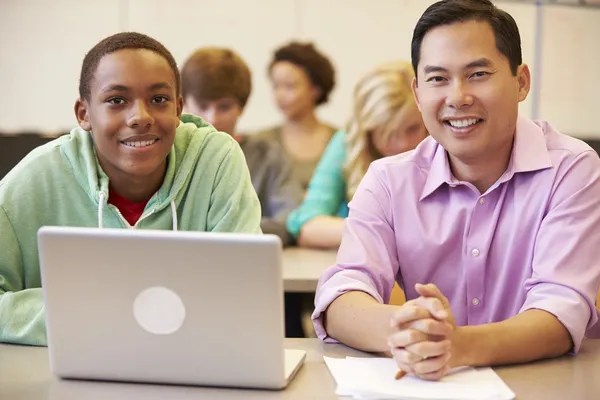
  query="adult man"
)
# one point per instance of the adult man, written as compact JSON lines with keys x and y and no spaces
{"x":496,"y":215}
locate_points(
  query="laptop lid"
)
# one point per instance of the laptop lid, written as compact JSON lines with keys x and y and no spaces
{"x":166,"y":307}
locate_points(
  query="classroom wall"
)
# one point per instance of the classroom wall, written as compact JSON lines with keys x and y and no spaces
{"x":42,"y":44}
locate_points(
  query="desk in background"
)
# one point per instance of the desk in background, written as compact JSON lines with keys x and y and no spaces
{"x":25,"y":375}
{"x":302,"y":268}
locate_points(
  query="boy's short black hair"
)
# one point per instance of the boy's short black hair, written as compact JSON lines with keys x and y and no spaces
{"x":317,"y":66}
{"x":121,"y":41}
{"x":446,"y":12}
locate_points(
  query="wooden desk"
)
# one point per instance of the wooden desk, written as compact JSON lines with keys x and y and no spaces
{"x":25,"y":375}
{"x":302,"y":268}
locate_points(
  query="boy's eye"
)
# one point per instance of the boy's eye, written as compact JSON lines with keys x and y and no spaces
{"x":224,"y":107}
{"x":116,"y":100}
{"x":160,"y":99}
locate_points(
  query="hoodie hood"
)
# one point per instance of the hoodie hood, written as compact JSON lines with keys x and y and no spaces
{"x":181,"y":161}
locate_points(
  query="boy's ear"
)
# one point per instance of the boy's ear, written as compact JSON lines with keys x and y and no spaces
{"x":82,"y":114}
{"x":179,"y":106}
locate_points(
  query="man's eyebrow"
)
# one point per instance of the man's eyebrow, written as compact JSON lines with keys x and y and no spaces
{"x":433,"y":68}
{"x":480,"y":62}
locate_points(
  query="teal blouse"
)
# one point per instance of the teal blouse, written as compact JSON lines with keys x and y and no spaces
{"x":326,"y":193}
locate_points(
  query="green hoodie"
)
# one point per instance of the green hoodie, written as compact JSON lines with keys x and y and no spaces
{"x":61,"y":183}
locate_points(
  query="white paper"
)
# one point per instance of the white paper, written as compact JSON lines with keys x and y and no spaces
{"x":373,"y":378}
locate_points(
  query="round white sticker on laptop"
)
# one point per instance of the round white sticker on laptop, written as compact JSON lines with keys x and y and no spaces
{"x":159,"y":310}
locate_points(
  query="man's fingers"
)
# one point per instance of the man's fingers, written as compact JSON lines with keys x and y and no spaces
{"x":430,"y":326}
{"x":406,"y":358}
{"x":431,"y":365}
{"x":431,"y":290}
{"x":433,"y":368}
{"x":408,"y":313}
{"x":435,"y":376}
{"x":433,"y":305}
{"x":398,"y":356}
{"x":429,"y":349}
{"x":406,"y":337}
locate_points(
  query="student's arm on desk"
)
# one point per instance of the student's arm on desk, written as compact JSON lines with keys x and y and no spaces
{"x":322,"y":232}
{"x":21,"y":310}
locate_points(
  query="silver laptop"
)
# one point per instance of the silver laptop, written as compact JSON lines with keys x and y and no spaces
{"x":191,"y":308}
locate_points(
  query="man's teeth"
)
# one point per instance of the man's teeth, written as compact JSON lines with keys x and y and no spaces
{"x":140,"y":143}
{"x":463,"y":123}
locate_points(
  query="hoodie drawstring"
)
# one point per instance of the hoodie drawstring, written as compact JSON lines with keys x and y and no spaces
{"x":102,"y":200}
{"x":174,"y":215}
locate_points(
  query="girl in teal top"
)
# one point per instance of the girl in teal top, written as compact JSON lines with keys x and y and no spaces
{"x":385,"y":122}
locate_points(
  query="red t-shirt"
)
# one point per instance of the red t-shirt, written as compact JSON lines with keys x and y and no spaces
{"x":131,"y":211}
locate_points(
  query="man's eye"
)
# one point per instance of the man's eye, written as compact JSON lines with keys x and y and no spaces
{"x":435,"y":79}
{"x":480,"y":74}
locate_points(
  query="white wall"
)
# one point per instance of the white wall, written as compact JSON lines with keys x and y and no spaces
{"x":42,"y":45}
{"x":570,"y":94}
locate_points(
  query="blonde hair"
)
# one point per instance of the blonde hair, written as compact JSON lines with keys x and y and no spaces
{"x":380,"y":98}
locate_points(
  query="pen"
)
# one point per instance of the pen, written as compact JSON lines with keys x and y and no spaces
{"x":399,"y":374}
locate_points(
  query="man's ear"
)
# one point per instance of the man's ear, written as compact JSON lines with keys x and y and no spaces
{"x":415,"y":88}
{"x":82,"y":114}
{"x":179,"y":106}
{"x":524,"y":81}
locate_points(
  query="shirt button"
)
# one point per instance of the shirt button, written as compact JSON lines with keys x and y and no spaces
{"x":475,"y":301}
{"x":482,"y":200}
{"x":475,"y":252}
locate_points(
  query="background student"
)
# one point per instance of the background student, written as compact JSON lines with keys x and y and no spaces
{"x":302,"y":79}
{"x":216,"y":85}
{"x":385,"y":122}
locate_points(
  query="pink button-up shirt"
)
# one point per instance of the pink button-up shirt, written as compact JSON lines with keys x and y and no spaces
{"x":532,"y":240}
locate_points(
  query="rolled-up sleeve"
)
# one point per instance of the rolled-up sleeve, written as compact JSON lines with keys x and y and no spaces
{"x":566,"y":263}
{"x":367,"y":260}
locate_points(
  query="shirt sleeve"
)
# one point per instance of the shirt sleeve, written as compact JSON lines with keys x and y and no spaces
{"x":326,"y":190}
{"x":234,"y":205}
{"x":566,"y":261}
{"x":367,"y":260}
{"x":21,"y":309}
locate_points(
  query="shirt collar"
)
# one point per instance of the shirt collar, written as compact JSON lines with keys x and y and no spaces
{"x":439,"y":172}
{"x":529,"y":153}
